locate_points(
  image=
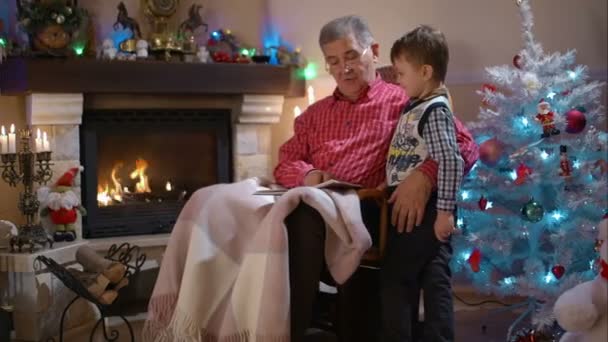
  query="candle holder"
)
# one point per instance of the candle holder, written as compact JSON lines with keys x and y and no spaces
{"x":27,"y":167}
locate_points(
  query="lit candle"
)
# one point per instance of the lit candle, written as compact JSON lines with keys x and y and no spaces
{"x":311,"y":95}
{"x":12,"y":140}
{"x":39,"y":146}
{"x":45,"y":143}
{"x":3,"y":141}
{"x":296,"y":111}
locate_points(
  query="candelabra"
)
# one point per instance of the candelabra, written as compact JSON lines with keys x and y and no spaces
{"x":27,"y":167}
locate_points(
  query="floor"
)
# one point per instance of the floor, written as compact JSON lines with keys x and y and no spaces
{"x":469,"y":322}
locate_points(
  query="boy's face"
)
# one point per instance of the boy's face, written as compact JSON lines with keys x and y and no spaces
{"x":412,"y":77}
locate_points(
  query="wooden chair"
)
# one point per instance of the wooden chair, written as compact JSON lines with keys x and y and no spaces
{"x":376,"y":252}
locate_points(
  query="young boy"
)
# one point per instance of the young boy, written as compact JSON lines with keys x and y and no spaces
{"x":420,"y":259}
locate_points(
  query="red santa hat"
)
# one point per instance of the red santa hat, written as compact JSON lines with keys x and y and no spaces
{"x":67,"y":179}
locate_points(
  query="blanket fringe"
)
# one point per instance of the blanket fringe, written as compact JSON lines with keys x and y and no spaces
{"x":182,"y":328}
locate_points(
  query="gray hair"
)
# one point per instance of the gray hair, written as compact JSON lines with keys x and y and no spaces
{"x":342,"y":27}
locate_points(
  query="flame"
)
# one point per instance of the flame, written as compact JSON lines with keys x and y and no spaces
{"x":107,"y":195}
{"x":103,"y":197}
{"x":168,"y":186}
{"x":140,"y":172}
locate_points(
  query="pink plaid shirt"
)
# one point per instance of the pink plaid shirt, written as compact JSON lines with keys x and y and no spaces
{"x":350,"y":140}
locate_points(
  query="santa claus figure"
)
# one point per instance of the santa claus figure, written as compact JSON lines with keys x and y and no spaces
{"x":61,"y":205}
{"x":546,"y":118}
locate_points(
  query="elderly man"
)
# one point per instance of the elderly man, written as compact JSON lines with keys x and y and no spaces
{"x":345,"y":136}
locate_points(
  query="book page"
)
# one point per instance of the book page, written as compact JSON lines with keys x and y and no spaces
{"x":330,"y":184}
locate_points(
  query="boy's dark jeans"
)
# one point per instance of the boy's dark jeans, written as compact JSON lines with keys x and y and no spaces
{"x":415,"y":261}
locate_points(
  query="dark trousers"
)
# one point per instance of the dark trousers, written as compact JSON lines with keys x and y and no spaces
{"x":412,"y":261}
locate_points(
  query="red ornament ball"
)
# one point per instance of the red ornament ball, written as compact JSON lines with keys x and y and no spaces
{"x":576,"y":121}
{"x":517,"y":61}
{"x":474,"y":260}
{"x":490,"y":151}
{"x":558,"y":271}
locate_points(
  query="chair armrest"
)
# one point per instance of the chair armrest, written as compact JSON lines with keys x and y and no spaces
{"x":376,"y":253}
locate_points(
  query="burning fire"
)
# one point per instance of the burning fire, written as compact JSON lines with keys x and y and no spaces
{"x":140,"y":172}
{"x":107,"y":195}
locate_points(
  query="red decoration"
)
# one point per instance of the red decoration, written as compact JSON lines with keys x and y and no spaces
{"x":474,"y":260}
{"x":522,"y":174}
{"x":565,"y":166}
{"x":566,"y":92}
{"x":221,"y":57}
{"x":545,"y":117}
{"x":490,"y":151}
{"x":483,"y":203}
{"x":576,"y":121}
{"x":517,"y":61}
{"x":604,"y":269}
{"x":558,"y":271}
{"x":489,"y":87}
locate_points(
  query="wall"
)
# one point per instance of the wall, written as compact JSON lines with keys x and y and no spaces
{"x":480,"y":33}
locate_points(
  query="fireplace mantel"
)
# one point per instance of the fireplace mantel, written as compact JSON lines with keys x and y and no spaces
{"x":37,"y":75}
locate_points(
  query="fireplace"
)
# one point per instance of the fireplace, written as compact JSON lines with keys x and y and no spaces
{"x":141,"y":165}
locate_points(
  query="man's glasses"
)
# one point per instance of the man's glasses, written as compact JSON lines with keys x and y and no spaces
{"x":351,"y":60}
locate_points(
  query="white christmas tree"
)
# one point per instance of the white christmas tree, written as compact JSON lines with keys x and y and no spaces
{"x":529,"y":209}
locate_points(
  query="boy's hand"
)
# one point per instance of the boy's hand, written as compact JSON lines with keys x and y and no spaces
{"x":409,"y":201}
{"x":444,"y":225}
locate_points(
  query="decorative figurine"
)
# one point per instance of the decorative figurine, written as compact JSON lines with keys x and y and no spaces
{"x":203,"y":54}
{"x":142,"y":49}
{"x":545,"y":117}
{"x":62,"y":205}
{"x":126,"y":22}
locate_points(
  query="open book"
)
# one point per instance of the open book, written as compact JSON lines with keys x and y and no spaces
{"x":330,"y":184}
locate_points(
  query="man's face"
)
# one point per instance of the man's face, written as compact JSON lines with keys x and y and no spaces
{"x":411,"y":76}
{"x":351,"y":65}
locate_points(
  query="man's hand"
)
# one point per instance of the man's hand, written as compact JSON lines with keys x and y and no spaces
{"x":409,"y":201}
{"x":444,"y":225}
{"x":315,"y":177}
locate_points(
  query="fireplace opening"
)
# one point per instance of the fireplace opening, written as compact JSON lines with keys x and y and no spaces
{"x":140,"y":166}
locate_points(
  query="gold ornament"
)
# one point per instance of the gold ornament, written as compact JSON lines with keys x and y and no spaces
{"x":60,"y":19}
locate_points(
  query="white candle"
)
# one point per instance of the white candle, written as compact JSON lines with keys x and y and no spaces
{"x":45,"y":143}
{"x":311,"y":95}
{"x":12,"y":140}
{"x":3,"y":141}
{"x":39,"y":147}
{"x":296,"y":111}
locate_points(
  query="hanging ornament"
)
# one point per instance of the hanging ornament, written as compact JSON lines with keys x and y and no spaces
{"x":558,"y":271}
{"x":517,"y":61}
{"x":531,"y":82}
{"x":533,"y":211}
{"x":576,"y":121}
{"x":483,"y":203}
{"x":565,"y":166}
{"x":490,"y":151}
{"x":474,"y":260}
{"x":486,"y":87}
{"x":546,"y":118}
{"x":566,"y":92}
{"x":522,"y":174}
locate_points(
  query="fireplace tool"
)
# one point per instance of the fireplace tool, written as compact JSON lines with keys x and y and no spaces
{"x":27,"y":167}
